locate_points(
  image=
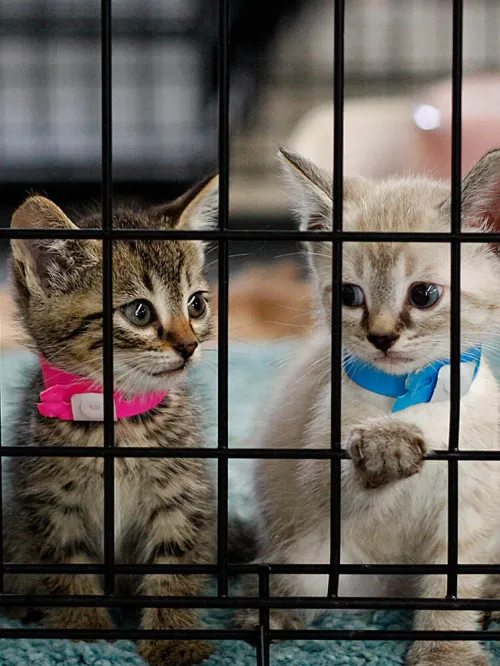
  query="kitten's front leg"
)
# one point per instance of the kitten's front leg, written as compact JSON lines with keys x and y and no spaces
{"x":172,"y":652}
{"x":57,"y":528}
{"x":385,"y":450}
{"x":448,"y":653}
{"x":174,"y":533}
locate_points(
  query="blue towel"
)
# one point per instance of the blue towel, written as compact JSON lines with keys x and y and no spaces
{"x":250,"y":370}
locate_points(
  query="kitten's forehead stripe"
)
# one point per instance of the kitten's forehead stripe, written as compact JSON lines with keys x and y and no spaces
{"x":147,"y":281}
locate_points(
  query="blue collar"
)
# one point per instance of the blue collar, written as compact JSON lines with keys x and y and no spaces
{"x":432,"y":383}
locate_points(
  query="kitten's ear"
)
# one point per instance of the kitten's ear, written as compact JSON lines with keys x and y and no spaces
{"x":201,"y":206}
{"x":48,"y":262}
{"x":195,"y":210}
{"x":311,"y":190}
{"x":481,"y":195}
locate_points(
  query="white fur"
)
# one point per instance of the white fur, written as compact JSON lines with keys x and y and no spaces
{"x":404,"y":521}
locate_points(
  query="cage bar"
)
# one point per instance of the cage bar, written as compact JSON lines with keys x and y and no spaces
{"x":236,"y":635}
{"x":235,"y":603}
{"x":107,"y":295}
{"x":237,"y":569}
{"x":239,"y":454}
{"x":336,"y":333}
{"x":223,"y":276}
{"x":1,"y":488}
{"x":456,"y":177}
{"x":256,"y":235}
{"x":263,"y":653}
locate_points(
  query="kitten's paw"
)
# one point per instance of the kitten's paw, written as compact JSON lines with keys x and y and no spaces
{"x":80,"y":618}
{"x":25,"y":615}
{"x":279,"y":620}
{"x":175,"y":653}
{"x":385,"y":452}
{"x":446,"y":654}
{"x":20,"y":613}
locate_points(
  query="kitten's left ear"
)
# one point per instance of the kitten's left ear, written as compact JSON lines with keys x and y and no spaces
{"x":481,"y":195}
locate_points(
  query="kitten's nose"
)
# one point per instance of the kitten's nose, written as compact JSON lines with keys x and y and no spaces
{"x":185,"y":349}
{"x":383,"y":342}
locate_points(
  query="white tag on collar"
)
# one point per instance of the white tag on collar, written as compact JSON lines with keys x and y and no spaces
{"x":89,"y":407}
{"x":442,"y":390}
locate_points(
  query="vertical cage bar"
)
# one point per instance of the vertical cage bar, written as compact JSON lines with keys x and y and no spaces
{"x":1,"y":472}
{"x":456,"y":175}
{"x":223,"y":266}
{"x":263,"y":645}
{"x":107,"y":294}
{"x":336,"y":397}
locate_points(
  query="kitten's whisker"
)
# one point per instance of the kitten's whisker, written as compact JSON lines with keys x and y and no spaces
{"x":298,"y":253}
{"x":284,"y":323}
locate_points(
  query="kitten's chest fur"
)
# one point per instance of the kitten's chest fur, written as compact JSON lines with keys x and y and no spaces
{"x":138,"y":482}
{"x":381,"y":524}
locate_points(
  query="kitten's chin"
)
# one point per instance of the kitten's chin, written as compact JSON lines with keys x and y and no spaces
{"x":393,"y":363}
{"x":150,"y":382}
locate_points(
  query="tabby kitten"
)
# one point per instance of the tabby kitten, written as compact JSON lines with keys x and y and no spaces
{"x":163,"y":507}
{"x":396,"y":324}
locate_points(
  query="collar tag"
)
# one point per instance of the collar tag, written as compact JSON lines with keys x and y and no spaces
{"x":443,"y":385}
{"x":89,"y":407}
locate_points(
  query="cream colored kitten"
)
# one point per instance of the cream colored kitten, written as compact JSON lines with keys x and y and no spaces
{"x":396,"y":319}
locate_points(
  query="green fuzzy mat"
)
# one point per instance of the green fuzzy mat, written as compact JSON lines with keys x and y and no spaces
{"x":251,"y":370}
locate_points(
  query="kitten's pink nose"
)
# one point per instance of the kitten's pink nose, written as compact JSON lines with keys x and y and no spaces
{"x":383,"y":342}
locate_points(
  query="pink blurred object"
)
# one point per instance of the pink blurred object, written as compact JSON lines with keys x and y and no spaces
{"x":432,"y":124}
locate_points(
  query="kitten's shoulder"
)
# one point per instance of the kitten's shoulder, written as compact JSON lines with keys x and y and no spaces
{"x":293,"y":397}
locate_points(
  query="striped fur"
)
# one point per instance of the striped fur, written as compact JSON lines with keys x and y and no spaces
{"x":164,"y":507}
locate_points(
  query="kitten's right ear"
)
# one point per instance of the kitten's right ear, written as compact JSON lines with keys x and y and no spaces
{"x":195,"y":210}
{"x":310,"y":189}
{"x":47,"y":262}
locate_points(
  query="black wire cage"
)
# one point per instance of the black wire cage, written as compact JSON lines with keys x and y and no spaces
{"x":223,"y":454}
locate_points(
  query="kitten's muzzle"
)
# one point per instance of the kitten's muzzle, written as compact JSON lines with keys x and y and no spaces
{"x":383,"y":342}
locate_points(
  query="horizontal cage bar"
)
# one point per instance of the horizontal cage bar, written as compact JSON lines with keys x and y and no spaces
{"x":237,"y":635}
{"x":235,"y":602}
{"x":254,"y":235}
{"x":232,"y":454}
{"x":272,"y":569}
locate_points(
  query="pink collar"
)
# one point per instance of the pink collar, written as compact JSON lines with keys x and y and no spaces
{"x":73,"y":398}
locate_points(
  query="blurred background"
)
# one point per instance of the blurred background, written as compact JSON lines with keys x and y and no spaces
{"x":397,"y":110}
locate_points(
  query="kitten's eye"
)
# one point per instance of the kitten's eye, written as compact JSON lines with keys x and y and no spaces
{"x":352,"y":295}
{"x":424,"y":294}
{"x":197,"y":306}
{"x":139,"y":313}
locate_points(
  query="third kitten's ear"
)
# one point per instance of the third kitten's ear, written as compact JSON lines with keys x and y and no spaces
{"x":49,"y":262}
{"x":481,"y":194}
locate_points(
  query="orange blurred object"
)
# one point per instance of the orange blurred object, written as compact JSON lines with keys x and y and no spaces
{"x":432,"y":124}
